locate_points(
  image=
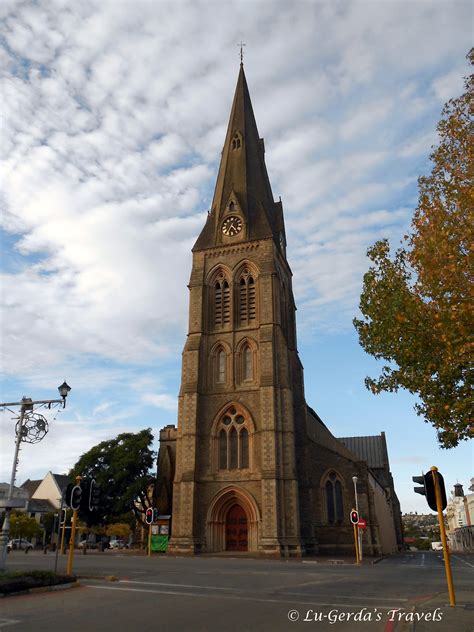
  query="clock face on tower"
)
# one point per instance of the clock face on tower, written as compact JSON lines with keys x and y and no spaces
{"x":232,"y":226}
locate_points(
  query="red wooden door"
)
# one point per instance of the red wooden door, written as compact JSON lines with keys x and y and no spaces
{"x":236,"y":530}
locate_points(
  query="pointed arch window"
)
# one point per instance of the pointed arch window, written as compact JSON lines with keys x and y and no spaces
{"x":247,"y":298}
{"x":334,"y":499}
{"x":247,"y":358}
{"x":221,"y":300}
{"x":233,"y":440}
{"x":222,"y":450}
{"x":221,"y":362}
{"x":236,"y":142}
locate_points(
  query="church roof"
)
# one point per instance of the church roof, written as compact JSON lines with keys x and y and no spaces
{"x":372,"y":449}
{"x":243,"y":178}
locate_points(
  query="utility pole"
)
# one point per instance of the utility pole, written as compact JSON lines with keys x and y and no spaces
{"x":31,"y":427}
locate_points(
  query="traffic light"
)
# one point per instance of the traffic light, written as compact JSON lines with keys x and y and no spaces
{"x":427,"y":488}
{"x":421,"y":482}
{"x":76,"y":495}
{"x":94,"y":494}
{"x":354,"y":517}
{"x":62,"y":517}
{"x":149,"y":516}
{"x":155,"y":514}
{"x":67,"y":495}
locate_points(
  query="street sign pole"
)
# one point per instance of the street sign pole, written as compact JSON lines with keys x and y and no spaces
{"x":73,"y":533}
{"x":447,"y":563}
{"x":59,"y":531}
{"x":70,"y":558}
{"x":149,"y":540}
{"x":356,"y":541}
{"x":355,"y":521}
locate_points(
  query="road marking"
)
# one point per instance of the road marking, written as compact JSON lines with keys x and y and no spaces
{"x":236,"y":597}
{"x":164,"y":584}
{"x":4,"y":622}
{"x":461,"y":560}
{"x":352,"y":597}
{"x":423,"y":560}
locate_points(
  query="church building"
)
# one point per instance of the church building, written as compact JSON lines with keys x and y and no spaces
{"x":251,"y":467}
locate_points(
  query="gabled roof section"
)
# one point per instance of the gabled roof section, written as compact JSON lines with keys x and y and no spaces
{"x":242,"y":170}
{"x":31,"y":486}
{"x":372,"y":449}
{"x":62,"y":481}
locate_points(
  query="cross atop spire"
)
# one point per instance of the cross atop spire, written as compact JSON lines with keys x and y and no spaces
{"x":242,"y":52}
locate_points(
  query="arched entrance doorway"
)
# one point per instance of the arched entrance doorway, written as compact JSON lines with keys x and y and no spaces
{"x":233,"y":520}
{"x":236,"y":529}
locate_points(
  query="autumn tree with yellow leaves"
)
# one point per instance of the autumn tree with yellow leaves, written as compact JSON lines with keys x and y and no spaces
{"x":418,"y":304}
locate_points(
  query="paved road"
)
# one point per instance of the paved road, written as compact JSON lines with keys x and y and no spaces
{"x":207,"y":594}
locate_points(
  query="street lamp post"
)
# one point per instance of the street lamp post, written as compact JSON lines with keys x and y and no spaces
{"x":359,"y":538}
{"x":31,"y":427}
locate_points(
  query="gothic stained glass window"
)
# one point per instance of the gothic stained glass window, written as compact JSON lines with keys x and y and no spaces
{"x":244,"y":448}
{"x":233,"y":440}
{"x":233,"y":447}
{"x":339,"y":502}
{"x":248,"y":363}
{"x":330,"y":501}
{"x":222,"y":450}
{"x":334,"y":499}
{"x":221,"y":362}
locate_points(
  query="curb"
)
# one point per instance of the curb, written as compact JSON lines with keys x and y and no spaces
{"x":105,"y":578}
{"x":41,"y":589}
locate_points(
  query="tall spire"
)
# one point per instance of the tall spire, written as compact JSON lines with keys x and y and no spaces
{"x":242,"y":181}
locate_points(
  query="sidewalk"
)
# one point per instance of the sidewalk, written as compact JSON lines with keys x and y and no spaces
{"x":436,"y":615}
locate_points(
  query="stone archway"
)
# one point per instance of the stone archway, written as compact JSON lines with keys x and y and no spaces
{"x":229,"y":505}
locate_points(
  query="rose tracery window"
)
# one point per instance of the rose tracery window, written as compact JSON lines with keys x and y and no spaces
{"x":233,"y":440}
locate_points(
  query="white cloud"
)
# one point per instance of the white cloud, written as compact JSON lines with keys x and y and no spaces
{"x":449,"y":85}
{"x":167,"y":402}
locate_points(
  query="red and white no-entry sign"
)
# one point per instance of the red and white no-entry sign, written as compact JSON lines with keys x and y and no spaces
{"x":362,"y":523}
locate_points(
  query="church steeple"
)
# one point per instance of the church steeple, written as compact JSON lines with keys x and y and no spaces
{"x":243,"y":188}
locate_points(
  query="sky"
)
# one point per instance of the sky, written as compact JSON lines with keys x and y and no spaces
{"x":113,"y":120}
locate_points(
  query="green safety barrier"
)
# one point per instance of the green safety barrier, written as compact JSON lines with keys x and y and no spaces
{"x":159,"y":542}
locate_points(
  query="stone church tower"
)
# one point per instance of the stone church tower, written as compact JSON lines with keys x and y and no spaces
{"x":255,"y":469}
{"x":242,"y":386}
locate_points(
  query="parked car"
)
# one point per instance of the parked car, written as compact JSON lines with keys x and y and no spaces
{"x":117,"y":544}
{"x":90,"y":545}
{"x":19,"y":543}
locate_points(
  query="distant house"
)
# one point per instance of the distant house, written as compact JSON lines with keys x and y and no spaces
{"x":49,"y":489}
{"x":44,"y":495}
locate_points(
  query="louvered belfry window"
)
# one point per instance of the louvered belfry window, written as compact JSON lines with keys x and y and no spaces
{"x":247,"y":298}
{"x":221,"y":301}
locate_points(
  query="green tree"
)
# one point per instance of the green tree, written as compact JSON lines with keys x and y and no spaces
{"x":418,"y":305}
{"x":22,"y":526}
{"x":119,"y":529}
{"x":122,"y":468}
